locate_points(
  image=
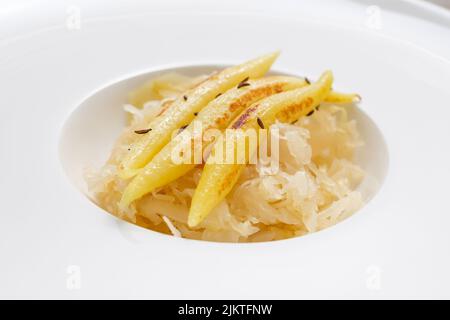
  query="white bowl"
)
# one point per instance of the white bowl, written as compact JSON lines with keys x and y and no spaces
{"x":56,"y":243}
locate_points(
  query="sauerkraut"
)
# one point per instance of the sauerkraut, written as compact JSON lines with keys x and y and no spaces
{"x":314,"y":188}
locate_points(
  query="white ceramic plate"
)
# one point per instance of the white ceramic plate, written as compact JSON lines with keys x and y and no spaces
{"x":55,"y":243}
